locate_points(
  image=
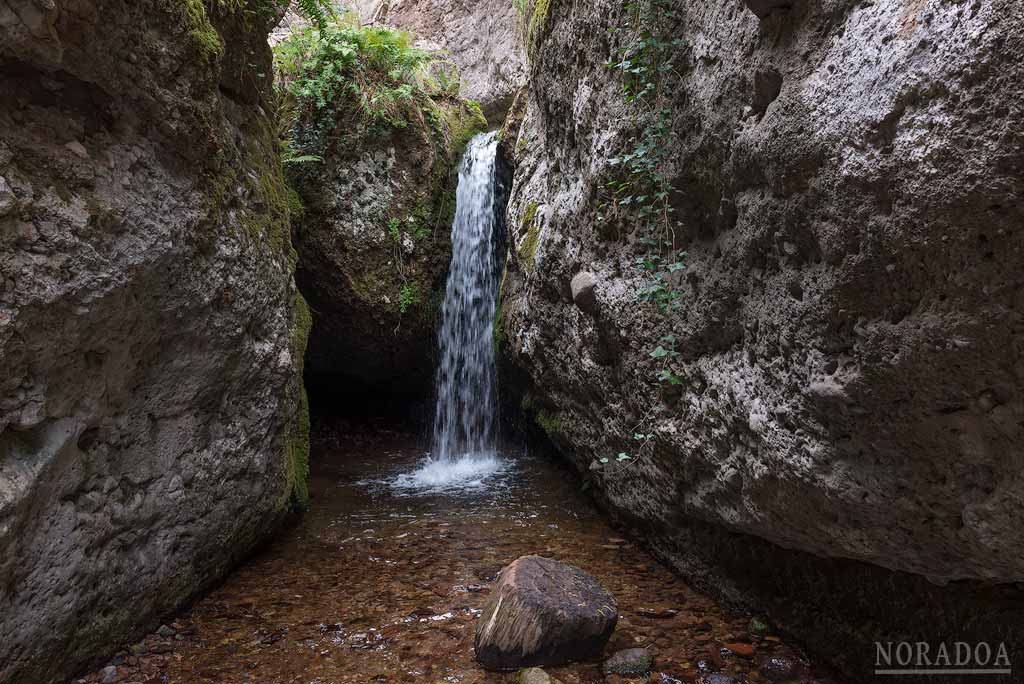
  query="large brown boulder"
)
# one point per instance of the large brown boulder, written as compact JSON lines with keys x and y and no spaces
{"x":542,"y":612}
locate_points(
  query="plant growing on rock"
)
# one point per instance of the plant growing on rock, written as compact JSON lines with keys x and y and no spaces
{"x":349,"y":74}
{"x":409,"y":296}
{"x":343,"y":81}
{"x":638,"y":196}
{"x":318,"y":11}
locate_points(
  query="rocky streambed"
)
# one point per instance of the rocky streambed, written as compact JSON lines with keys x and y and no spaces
{"x":378,"y":584}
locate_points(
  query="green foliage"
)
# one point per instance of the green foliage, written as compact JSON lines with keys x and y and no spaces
{"x":420,"y":232}
{"x":302,"y":159}
{"x":318,"y":11}
{"x":394,"y":229}
{"x":444,"y":78}
{"x":344,"y":77}
{"x":409,"y":296}
{"x":639,"y":196}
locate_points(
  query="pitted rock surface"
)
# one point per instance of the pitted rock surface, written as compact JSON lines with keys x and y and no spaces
{"x":151,"y":338}
{"x":851,"y":333}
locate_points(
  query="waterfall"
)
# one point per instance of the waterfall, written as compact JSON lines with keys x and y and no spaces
{"x":466,"y":377}
{"x":463,"y":449}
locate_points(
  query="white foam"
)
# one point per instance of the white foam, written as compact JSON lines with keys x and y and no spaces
{"x":444,"y":475}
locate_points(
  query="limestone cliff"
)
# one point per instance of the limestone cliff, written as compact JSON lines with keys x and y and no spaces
{"x":846,"y":181}
{"x":151,"y":336}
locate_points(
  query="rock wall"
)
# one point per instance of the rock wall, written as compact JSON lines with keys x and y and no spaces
{"x":152,"y":424}
{"x":482,"y":37}
{"x":847,"y":180}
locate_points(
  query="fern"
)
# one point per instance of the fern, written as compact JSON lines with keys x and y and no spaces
{"x":318,"y":11}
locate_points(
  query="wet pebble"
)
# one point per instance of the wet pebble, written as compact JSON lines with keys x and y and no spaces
{"x":715,"y":678}
{"x":741,"y":649}
{"x":108,"y":675}
{"x":662,"y":678}
{"x":534,"y":675}
{"x":758,"y":627}
{"x":631,"y":662}
{"x":165,"y":631}
{"x":780,"y":668}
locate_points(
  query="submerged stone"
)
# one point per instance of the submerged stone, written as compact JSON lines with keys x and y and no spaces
{"x":631,"y":662}
{"x":542,"y":612}
{"x":780,"y":668}
{"x":534,"y":675}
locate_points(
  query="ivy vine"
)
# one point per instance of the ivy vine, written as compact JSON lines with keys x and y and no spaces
{"x":638,"y":196}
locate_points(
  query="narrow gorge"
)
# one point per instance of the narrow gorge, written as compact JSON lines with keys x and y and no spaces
{"x":532,"y":341}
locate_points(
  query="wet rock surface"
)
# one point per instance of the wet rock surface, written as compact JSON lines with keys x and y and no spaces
{"x":543,"y":612}
{"x":371,"y":586}
{"x":631,"y":662}
{"x":849,"y":335}
{"x":534,"y":675}
{"x":151,"y":337}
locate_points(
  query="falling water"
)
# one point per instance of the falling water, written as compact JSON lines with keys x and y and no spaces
{"x":463,"y":449}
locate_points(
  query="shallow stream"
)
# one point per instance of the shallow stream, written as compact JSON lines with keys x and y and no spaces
{"x":384,"y":584}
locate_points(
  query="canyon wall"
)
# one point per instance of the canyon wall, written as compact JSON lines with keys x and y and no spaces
{"x":839,"y":439}
{"x":152,"y":420}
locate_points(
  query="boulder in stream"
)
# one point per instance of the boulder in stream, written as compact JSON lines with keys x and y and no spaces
{"x":542,"y":612}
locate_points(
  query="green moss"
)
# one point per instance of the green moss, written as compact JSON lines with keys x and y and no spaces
{"x":538,"y":20}
{"x":277,"y":202}
{"x":552,"y":425}
{"x":528,"y":248}
{"x":297,"y":443}
{"x":463,"y":123}
{"x":201,"y":32}
{"x":295,"y":206}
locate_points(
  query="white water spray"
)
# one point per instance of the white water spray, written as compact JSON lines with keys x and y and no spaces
{"x":463,"y":450}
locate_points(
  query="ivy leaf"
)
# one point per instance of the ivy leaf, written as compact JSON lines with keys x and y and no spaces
{"x":622,"y":457}
{"x":604,"y":460}
{"x":659,"y":353}
{"x":669,"y":377}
